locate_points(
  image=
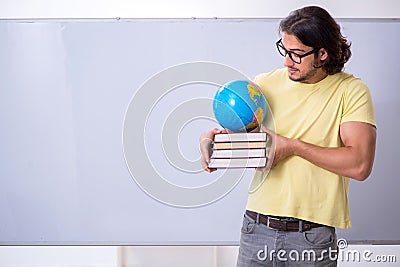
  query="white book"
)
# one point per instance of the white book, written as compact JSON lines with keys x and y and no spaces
{"x":241,"y":137}
{"x":239,"y":153}
{"x":239,"y":145}
{"x":237,"y":163}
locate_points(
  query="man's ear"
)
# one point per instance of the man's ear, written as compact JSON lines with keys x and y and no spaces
{"x":323,"y":54}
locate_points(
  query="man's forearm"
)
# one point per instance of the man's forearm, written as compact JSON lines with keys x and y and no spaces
{"x":345,"y":161}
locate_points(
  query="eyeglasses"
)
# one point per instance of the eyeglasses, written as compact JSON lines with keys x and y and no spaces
{"x":296,"y":58}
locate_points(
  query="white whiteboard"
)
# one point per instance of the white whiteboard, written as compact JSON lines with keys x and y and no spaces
{"x":66,"y":87}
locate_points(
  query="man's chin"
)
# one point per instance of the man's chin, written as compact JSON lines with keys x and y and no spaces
{"x":294,"y":78}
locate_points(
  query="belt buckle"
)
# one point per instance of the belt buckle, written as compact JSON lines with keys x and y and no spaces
{"x":269,"y":219}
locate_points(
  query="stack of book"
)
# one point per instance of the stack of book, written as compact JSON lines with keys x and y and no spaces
{"x":239,"y":150}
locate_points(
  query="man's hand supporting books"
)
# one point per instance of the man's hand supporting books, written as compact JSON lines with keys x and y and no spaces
{"x":220,"y":149}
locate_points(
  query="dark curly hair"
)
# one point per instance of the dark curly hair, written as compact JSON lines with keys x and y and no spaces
{"x":315,"y":27}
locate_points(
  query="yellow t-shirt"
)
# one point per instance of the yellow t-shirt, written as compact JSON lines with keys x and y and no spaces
{"x":312,"y":113}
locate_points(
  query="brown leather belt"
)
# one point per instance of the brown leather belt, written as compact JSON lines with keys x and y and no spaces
{"x":282,"y":223}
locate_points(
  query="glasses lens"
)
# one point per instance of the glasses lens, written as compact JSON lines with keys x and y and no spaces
{"x":296,"y":58}
{"x":281,"y":50}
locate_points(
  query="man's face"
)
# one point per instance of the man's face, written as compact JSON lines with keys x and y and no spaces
{"x":305,"y":71}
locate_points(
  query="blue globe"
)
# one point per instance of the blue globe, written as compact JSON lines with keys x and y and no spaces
{"x":240,"y":106}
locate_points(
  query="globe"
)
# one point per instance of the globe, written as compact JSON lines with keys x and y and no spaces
{"x":239,"y":106}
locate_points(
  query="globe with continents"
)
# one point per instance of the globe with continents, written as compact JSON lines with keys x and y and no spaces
{"x":239,"y":106}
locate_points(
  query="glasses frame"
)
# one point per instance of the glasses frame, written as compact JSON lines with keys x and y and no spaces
{"x":290,"y":53}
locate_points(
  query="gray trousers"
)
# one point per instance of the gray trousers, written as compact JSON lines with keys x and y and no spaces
{"x":263,"y":246}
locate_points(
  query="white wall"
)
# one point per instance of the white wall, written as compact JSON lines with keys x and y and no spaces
{"x":170,"y":256}
{"x":58,"y":256}
{"x":190,"y":8}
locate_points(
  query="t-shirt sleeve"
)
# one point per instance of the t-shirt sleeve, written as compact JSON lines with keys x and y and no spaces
{"x":357,"y":104}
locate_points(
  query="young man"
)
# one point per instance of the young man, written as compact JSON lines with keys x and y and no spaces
{"x":324,"y":135}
